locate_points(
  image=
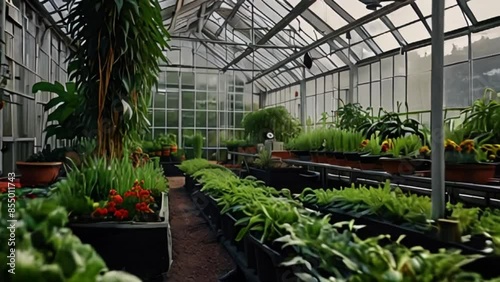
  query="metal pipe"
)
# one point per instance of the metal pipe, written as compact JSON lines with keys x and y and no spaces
{"x":2,"y":61}
{"x":437,"y":127}
{"x":325,"y":39}
{"x":303,"y":99}
{"x":221,"y":42}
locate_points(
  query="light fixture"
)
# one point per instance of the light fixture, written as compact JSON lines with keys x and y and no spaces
{"x":375,"y":4}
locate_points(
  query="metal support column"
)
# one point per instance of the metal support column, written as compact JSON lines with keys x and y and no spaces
{"x":303,"y":99}
{"x":3,"y":71}
{"x":437,"y":127}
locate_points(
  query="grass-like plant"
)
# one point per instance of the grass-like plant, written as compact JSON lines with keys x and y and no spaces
{"x":407,"y":146}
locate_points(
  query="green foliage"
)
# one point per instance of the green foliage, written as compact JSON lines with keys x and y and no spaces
{"x":190,"y":167}
{"x":373,"y":146}
{"x":275,"y":119}
{"x":47,"y":251}
{"x":391,"y":126}
{"x":115,"y":65}
{"x":483,"y":116}
{"x":198,"y":145}
{"x":407,"y":146}
{"x":352,"y":117}
{"x":322,"y":251}
{"x":387,"y":203}
{"x":65,"y":110}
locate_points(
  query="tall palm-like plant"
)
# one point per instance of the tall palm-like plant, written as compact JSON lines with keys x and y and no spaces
{"x":120,"y":45}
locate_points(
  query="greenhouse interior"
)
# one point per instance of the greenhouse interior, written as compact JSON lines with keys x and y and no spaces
{"x":250,"y":140}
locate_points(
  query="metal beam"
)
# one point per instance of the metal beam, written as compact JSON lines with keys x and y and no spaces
{"x":437,"y":127}
{"x":294,"y":13}
{"x":463,"y":5}
{"x":221,"y":42}
{"x":205,"y":68}
{"x":233,"y":13}
{"x":421,"y":17}
{"x":361,"y":21}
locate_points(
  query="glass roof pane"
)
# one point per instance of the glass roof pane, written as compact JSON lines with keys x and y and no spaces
{"x":402,"y":16}
{"x":327,"y":63}
{"x":265,"y":9}
{"x":414,"y":32}
{"x":426,"y":6}
{"x":386,"y":42}
{"x":483,"y":9}
{"x":327,"y":14}
{"x":362,"y":51}
{"x":355,"y":8}
{"x":336,"y":60}
{"x":376,"y":27}
{"x":454,"y":19}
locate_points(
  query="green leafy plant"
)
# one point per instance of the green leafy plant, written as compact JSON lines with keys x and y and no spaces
{"x":352,"y":117}
{"x":198,"y":145}
{"x":275,"y":119}
{"x":483,"y":116}
{"x":407,"y":146}
{"x":115,"y":65}
{"x":65,"y":111}
{"x":48,"y":251}
{"x":391,"y":126}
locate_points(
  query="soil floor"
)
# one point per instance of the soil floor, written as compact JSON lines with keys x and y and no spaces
{"x":197,"y":255}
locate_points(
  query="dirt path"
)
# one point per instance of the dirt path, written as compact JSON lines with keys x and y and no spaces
{"x":197,"y":256}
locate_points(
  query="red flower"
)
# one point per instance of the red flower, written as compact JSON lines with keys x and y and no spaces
{"x":112,"y":192}
{"x":130,"y":194}
{"x":101,"y":211}
{"x":117,"y":199}
{"x":111,"y":207}
{"x":144,"y":194}
{"x":121,"y":214}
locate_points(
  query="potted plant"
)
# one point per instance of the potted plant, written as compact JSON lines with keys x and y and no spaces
{"x":165,"y":143}
{"x":198,"y":146}
{"x":275,"y":119}
{"x":232,"y":144}
{"x":40,"y":169}
{"x":172,"y":138}
{"x":300,"y":147}
{"x":352,"y":141}
{"x":466,"y":163}
{"x":374,"y":150}
{"x":403,"y":150}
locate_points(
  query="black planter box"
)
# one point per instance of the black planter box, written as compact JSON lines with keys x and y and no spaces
{"x":353,"y":156}
{"x":268,"y":263}
{"x":295,"y":179}
{"x":141,"y":248}
{"x":302,"y":155}
{"x":171,"y":169}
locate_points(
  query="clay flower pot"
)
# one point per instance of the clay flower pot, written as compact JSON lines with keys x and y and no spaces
{"x":38,"y":174}
{"x":479,"y":173}
{"x":397,"y":166}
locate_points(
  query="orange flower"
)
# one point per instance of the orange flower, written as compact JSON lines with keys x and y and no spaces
{"x":424,"y":150}
{"x":365,"y":143}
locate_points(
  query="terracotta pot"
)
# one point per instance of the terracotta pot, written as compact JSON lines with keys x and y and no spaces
{"x":251,"y":150}
{"x":38,"y":174}
{"x":281,"y":154}
{"x":165,"y":152}
{"x":397,"y":166}
{"x":370,"y":166}
{"x":472,"y":173}
{"x":322,"y":158}
{"x":314,"y":156}
{"x":173,"y":148}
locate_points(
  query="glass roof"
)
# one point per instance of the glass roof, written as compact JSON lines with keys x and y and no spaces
{"x":283,"y":27}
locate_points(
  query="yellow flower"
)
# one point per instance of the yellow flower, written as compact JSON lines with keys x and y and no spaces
{"x":365,"y":143}
{"x":424,"y":150}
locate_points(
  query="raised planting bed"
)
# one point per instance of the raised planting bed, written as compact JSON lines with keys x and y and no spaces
{"x":293,"y":178}
{"x":427,"y":239}
{"x":141,"y":248}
